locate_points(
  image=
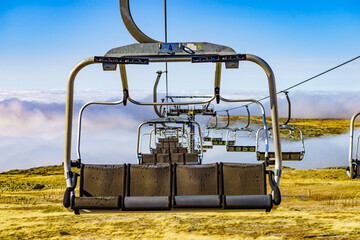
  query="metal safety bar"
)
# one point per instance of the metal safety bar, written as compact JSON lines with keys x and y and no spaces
{"x":80,"y":120}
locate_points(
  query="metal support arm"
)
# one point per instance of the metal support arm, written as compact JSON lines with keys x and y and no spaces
{"x":69,"y":116}
{"x":274,"y":113}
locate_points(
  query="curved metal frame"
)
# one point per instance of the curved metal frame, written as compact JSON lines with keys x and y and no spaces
{"x":80,"y":120}
{"x":352,"y":162}
{"x":289,"y":107}
{"x":286,"y":126}
{"x":157,"y":111}
{"x":291,"y":128}
{"x":130,"y":24}
{"x":88,"y":61}
{"x":265,"y":128}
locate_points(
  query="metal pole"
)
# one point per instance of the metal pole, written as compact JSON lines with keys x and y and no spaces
{"x":289,"y":107}
{"x":69,"y":116}
{"x":274,"y":113}
{"x":166,"y":64}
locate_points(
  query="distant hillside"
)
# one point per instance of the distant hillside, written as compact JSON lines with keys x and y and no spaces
{"x":311,"y":128}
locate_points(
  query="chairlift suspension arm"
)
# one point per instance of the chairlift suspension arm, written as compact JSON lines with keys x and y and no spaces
{"x":217,"y":82}
{"x":130,"y":24}
{"x":289,"y":107}
{"x":248,"y":118}
{"x":228,"y":119}
{"x":124,"y":82}
{"x":155,"y":93}
{"x":274,"y":113}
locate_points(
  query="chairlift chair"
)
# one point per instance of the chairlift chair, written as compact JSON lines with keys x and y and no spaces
{"x":169,"y":147}
{"x":286,"y":156}
{"x":170,"y":186}
{"x":217,"y":132}
{"x":353,"y":170}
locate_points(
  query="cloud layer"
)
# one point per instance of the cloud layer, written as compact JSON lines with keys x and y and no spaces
{"x":32,"y":125}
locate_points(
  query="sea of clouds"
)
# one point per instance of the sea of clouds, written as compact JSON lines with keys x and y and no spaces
{"x":32,"y":125}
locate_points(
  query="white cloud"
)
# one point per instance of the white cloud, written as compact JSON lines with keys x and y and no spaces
{"x":32,"y":124}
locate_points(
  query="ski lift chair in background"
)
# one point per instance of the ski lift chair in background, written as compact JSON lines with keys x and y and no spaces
{"x":353,"y":170}
{"x":286,"y":156}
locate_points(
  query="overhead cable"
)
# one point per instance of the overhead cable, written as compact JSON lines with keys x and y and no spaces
{"x":298,"y":84}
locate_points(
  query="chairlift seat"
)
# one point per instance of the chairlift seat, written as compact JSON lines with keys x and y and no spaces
{"x":191,"y":158}
{"x":240,"y":148}
{"x":101,"y":187}
{"x":148,"y":187}
{"x":196,"y":186}
{"x":148,"y":158}
{"x":182,"y":150}
{"x":173,"y":150}
{"x":96,"y":203}
{"x":164,"y":150}
{"x":244,"y":186}
{"x":286,"y":156}
{"x":178,"y":158}
{"x":163,"y":158}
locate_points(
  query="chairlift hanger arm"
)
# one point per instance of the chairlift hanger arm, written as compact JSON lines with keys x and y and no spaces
{"x":130,"y":24}
{"x":228,"y":119}
{"x":248,"y":118}
{"x":289,"y":107}
{"x":155,"y":93}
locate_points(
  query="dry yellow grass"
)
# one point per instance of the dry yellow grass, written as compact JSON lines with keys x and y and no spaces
{"x":321,"y":203}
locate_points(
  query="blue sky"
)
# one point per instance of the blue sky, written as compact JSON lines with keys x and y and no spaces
{"x":40,"y":41}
